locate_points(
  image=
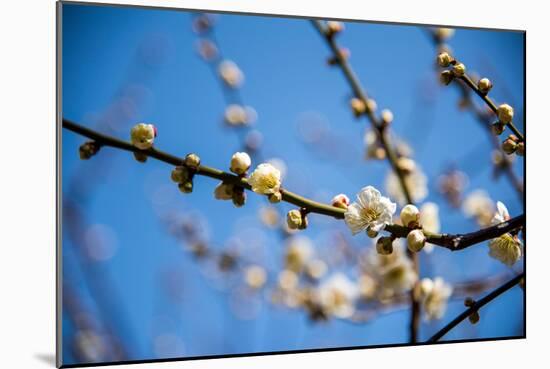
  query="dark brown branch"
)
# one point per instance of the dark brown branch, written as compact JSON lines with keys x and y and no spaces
{"x":455,"y":242}
{"x":476,"y":306}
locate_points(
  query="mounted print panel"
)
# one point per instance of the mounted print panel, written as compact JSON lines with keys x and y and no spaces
{"x":243,"y":184}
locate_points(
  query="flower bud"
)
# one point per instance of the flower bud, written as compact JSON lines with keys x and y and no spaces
{"x":143,"y":135}
{"x":186,"y":187}
{"x":343,"y":54}
{"x":406,"y":165}
{"x":484,"y":85}
{"x":444,"y":60}
{"x":294,"y":219}
{"x":141,"y":157}
{"x":520,"y":149}
{"x":88,"y":149}
{"x":459,"y":69}
{"x":275,"y":197}
{"x":239,"y":197}
{"x":387,"y":117}
{"x":469,"y":302}
{"x":372,"y":233}
{"x":497,"y":128}
{"x":505,"y":113}
{"x":443,"y":34}
{"x":371,"y":105}
{"x":334,"y":27}
{"x":416,"y":240}
{"x":340,"y":201}
{"x":410,"y":216}
{"x":224,"y":191}
{"x":179,"y":174}
{"x":509,"y":146}
{"x":474,"y":317}
{"x":240,"y":163}
{"x":384,"y":245}
{"x":358,"y":106}
{"x":192,"y":161}
{"x":446,"y":77}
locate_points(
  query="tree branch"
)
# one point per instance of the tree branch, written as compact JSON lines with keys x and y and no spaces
{"x":476,"y":306}
{"x":452,"y":242}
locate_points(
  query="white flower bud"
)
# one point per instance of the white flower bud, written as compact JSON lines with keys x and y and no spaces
{"x":294,"y":219}
{"x":192,"y":161}
{"x":459,"y":69}
{"x":371,"y":105}
{"x":387,"y":116}
{"x":240,"y":163}
{"x":444,"y":59}
{"x":334,"y":27}
{"x":384,"y":245}
{"x":505,"y":113}
{"x":410,"y":216}
{"x":230,"y":73}
{"x":358,"y":106}
{"x":266,"y":179}
{"x":510,"y":145}
{"x":275,"y":197}
{"x":340,"y":201}
{"x":416,"y":240}
{"x":143,"y":135}
{"x":484,"y":85}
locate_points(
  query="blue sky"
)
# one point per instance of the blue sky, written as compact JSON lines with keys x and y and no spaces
{"x":125,"y":65}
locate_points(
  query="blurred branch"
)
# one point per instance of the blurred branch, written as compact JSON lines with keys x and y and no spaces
{"x":391,"y":156}
{"x":476,"y":306}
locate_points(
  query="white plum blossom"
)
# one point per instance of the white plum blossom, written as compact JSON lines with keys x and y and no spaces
{"x":299,"y":251}
{"x":266,"y":179}
{"x":416,"y":182}
{"x":480,"y":206}
{"x":143,"y":135}
{"x":337,"y":295}
{"x":371,"y":211}
{"x":505,"y":248}
{"x":429,"y":219}
{"x":393,"y":273}
{"x":434,"y":296}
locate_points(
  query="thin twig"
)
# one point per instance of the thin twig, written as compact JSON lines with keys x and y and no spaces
{"x":476,"y":306}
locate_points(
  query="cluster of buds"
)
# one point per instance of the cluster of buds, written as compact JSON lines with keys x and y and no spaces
{"x":410,"y":217}
{"x":343,"y":54}
{"x":240,"y":163}
{"x":88,"y":149}
{"x":473,"y":317}
{"x":183,"y":174}
{"x":360,"y":107}
{"x":297,"y":219}
{"x":513,"y":145}
{"x":458,"y":70}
